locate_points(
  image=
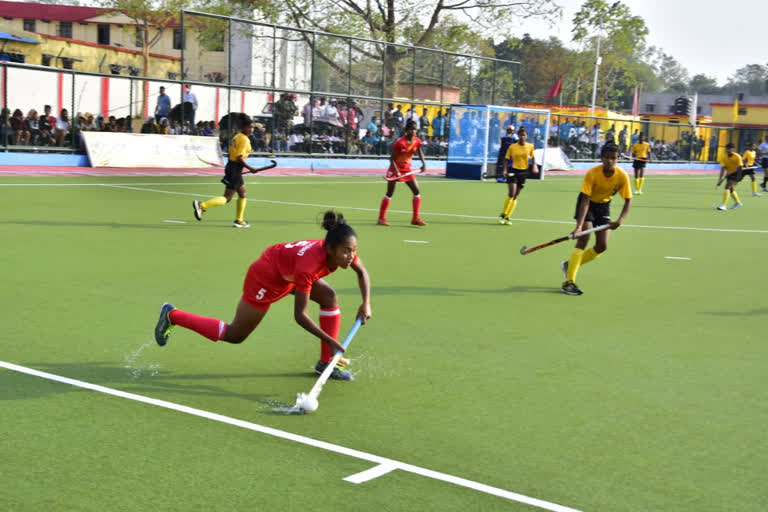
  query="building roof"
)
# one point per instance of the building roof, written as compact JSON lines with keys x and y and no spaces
{"x":51,"y":12}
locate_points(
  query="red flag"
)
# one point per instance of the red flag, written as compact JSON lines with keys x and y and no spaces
{"x":634,"y":103}
{"x":555,"y":90}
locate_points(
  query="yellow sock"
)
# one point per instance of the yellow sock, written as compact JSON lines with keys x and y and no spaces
{"x":574,"y":262}
{"x":726,"y":195}
{"x":754,"y":187}
{"x":735,"y":196}
{"x":589,"y":255}
{"x":642,"y":182}
{"x":241,"y":208}
{"x":215,"y":201}
{"x":506,"y":205}
{"x":511,"y":207}
{"x":637,"y":183}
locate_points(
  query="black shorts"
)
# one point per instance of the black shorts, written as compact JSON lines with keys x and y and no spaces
{"x":233,"y":175}
{"x":745,"y":172}
{"x":638,"y":164}
{"x":518,"y":176}
{"x":764,"y":162}
{"x":598,"y":213}
{"x":734,"y":176}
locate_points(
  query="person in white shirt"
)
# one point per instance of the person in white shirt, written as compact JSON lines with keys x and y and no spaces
{"x":762,"y":154}
{"x":189,"y":97}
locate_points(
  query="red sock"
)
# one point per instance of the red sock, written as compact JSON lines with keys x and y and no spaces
{"x":330,"y":322}
{"x":211,"y":328}
{"x":384,"y":207}
{"x":416,"y":206}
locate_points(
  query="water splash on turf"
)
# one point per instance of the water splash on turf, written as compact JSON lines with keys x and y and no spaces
{"x":135,"y":367}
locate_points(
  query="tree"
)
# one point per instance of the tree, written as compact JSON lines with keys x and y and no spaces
{"x":704,"y":84}
{"x":424,"y":23}
{"x":622,"y":42}
{"x":752,"y":79}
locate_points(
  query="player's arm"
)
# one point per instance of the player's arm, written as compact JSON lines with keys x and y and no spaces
{"x":722,"y":175}
{"x":623,"y":215}
{"x":300,"y":305}
{"x":392,"y":164}
{"x":241,"y":159}
{"x":421,"y":157}
{"x":364,"y":282}
{"x":507,"y":156}
{"x":533,"y":162}
{"x":583,"y":208}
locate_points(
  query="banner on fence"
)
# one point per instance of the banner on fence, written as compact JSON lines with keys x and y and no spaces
{"x":107,"y":149}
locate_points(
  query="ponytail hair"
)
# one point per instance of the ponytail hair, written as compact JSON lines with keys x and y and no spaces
{"x":338,"y":229}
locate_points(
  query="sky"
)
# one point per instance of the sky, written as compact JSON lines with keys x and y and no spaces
{"x":691,"y":31}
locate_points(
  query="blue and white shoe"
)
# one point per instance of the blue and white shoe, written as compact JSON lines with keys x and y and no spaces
{"x":164,"y":325}
{"x":336,"y":374}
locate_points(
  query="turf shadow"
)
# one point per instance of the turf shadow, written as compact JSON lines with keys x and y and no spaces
{"x":753,"y":312}
{"x":451,"y":292}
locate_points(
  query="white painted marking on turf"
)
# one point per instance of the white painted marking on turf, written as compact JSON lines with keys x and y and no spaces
{"x":416,"y":241}
{"x":176,"y":221}
{"x":470,"y":484}
{"x":370,"y":474}
{"x":676,"y":258}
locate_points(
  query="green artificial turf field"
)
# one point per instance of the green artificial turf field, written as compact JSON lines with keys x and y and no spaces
{"x":644,"y":394}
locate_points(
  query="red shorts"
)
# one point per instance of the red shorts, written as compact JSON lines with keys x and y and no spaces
{"x":259,"y":290}
{"x":404,"y":168}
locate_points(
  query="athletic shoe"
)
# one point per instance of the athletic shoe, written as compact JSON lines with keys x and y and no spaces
{"x":198,"y":210}
{"x":503,"y":219}
{"x":737,"y":205}
{"x":240,"y":224}
{"x":639,"y":192}
{"x":164,"y":325}
{"x":382,"y":222}
{"x":763,"y":188}
{"x":336,"y":374}
{"x":722,"y":207}
{"x":757,"y":194}
{"x":564,"y":268}
{"x":570,"y":288}
{"x":418,"y":222}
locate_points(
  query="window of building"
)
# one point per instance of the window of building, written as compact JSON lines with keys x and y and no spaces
{"x":139,"y":37}
{"x":12,"y":57}
{"x":674,"y":120}
{"x":649,"y":107}
{"x":102,"y":34}
{"x":671,"y":109}
{"x":698,"y":109}
{"x":133,"y":71}
{"x":178,"y":39}
{"x":218,"y":46}
{"x":67,"y":63}
{"x":29,"y":25}
{"x":114,"y":69}
{"x":46,"y":60}
{"x":741,"y":96}
{"x":173,"y":76}
{"x":742,"y":111}
{"x":65,"y":30}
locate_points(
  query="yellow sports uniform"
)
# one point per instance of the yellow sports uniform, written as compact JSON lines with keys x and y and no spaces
{"x":641,"y":150}
{"x":749,"y":158}
{"x":519,"y":155}
{"x":600,"y":188}
{"x":240,"y":146}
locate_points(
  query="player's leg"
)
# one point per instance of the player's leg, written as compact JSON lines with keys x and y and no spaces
{"x":416,"y":201}
{"x":385,"y":203}
{"x":641,"y":178}
{"x":754,"y":184}
{"x":241,"y":200}
{"x":736,"y":201}
{"x":246,"y":319}
{"x":636,"y":168}
{"x":765,"y":175}
{"x":330,"y":321}
{"x":508,"y":198}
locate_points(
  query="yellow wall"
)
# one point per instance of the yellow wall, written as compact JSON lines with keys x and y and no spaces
{"x":754,"y":115}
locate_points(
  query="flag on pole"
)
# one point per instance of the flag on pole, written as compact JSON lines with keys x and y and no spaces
{"x":736,"y":110}
{"x":694,"y":110}
{"x":634,"y":103}
{"x":555,"y":90}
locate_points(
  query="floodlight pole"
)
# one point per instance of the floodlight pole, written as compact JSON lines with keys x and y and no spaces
{"x":597,"y":61}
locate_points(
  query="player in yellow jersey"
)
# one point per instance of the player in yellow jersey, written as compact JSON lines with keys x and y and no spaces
{"x":239,"y":149}
{"x":600,"y":184}
{"x":641,"y":152}
{"x":520,"y":153}
{"x":749,"y":157}
{"x":730,"y":170}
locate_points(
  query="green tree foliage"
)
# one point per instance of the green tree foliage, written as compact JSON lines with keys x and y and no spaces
{"x":704,"y":84}
{"x":751,"y":79}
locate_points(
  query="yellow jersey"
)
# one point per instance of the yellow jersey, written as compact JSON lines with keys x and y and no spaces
{"x":641,"y":150}
{"x":749,"y":158}
{"x":519,"y":154}
{"x":240,"y":145}
{"x":600,"y":188}
{"x":731,"y":163}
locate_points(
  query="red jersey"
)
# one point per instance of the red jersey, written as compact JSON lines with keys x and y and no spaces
{"x":403,"y":151}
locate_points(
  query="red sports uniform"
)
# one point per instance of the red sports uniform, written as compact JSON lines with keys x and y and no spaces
{"x":402,"y":154}
{"x":285,"y":267}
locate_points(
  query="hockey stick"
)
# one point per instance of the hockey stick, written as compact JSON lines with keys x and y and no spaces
{"x":395,"y":178}
{"x":212,"y":164}
{"x":527,"y":250}
{"x":272,"y":164}
{"x":308,"y":402}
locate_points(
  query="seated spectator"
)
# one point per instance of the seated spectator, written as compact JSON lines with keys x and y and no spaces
{"x":46,"y":130}
{"x":6,"y":137}
{"x":33,"y":125}
{"x":367,"y":142}
{"x":207,"y":130}
{"x":258,"y":138}
{"x":162,"y":128}
{"x":62,"y":128}
{"x":149,"y":125}
{"x":20,"y":128}
{"x":296,"y":142}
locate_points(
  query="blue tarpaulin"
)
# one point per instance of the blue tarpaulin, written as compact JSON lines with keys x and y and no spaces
{"x":11,"y":37}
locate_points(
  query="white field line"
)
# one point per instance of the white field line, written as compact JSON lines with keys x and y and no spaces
{"x":370,"y":474}
{"x":433,"y":214}
{"x":416,"y":241}
{"x":175,"y":221}
{"x":383,"y":463}
{"x":676,"y":258}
